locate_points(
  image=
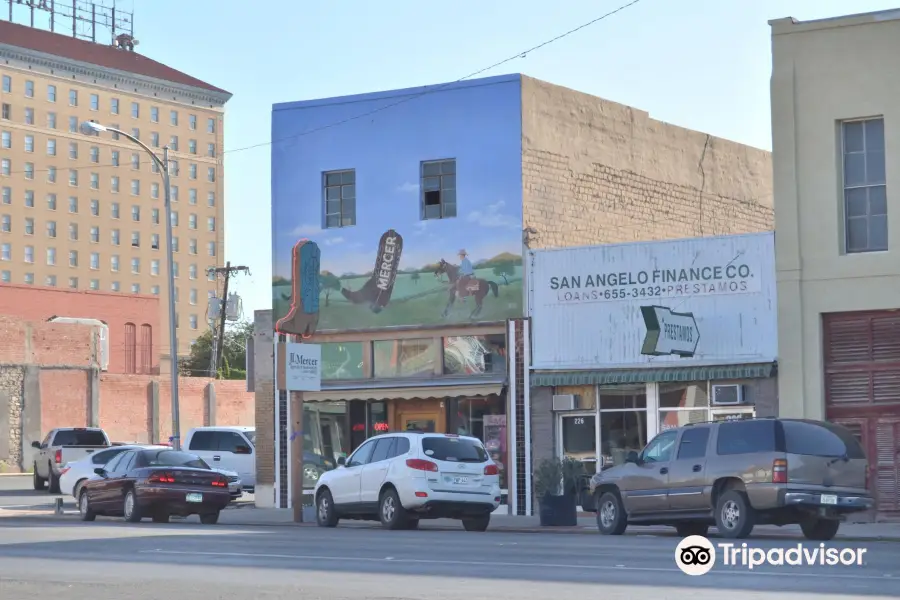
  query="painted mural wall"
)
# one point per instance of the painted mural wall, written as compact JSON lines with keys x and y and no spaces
{"x":422,"y":202}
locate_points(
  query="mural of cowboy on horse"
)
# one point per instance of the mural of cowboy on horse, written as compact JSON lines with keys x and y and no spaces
{"x":463,"y":283}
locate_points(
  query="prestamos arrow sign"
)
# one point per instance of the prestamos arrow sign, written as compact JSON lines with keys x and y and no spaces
{"x":669,"y":332}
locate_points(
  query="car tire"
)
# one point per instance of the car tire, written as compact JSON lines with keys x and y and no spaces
{"x":477,"y":523}
{"x":735,"y":517}
{"x":688,"y":529}
{"x":38,"y":481}
{"x":326,"y":515}
{"x":390,"y":511}
{"x":53,"y":488}
{"x":820,"y":530}
{"x":84,"y":507}
{"x":77,"y":492}
{"x":611,"y":517}
{"x":130,"y":509}
{"x":161,"y":518}
{"x":210,"y":518}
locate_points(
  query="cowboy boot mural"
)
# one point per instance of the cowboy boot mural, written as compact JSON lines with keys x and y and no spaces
{"x":303,"y":316}
{"x":376,"y":292}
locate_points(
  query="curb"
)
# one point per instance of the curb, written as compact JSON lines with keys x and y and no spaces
{"x":15,"y":474}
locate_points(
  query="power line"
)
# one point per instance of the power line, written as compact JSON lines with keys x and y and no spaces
{"x":430,"y":90}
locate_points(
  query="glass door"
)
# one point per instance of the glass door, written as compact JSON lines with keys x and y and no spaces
{"x":577,"y":436}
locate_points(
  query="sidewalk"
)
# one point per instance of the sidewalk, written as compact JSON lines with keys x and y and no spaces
{"x":515,"y":524}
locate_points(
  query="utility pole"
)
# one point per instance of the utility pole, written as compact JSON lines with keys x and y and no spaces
{"x":227,"y":271}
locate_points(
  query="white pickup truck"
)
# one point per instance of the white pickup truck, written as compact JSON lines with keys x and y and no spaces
{"x":62,"y":446}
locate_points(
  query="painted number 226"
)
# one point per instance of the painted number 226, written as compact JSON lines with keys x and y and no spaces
{"x":579,"y":420}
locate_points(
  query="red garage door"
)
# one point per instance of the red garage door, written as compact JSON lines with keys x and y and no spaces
{"x":862,"y":391}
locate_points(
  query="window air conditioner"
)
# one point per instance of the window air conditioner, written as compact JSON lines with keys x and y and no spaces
{"x":727,"y":395}
{"x":565,"y":402}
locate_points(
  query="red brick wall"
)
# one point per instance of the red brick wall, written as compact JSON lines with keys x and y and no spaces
{"x":42,"y":343}
{"x":65,"y":397}
{"x":125,"y":407}
{"x":35,"y":303}
{"x":234,"y":404}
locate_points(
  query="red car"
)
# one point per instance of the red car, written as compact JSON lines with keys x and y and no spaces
{"x":157,"y":484}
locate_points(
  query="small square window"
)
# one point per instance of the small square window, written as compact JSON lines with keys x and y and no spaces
{"x":340,"y":198}
{"x":73,"y":97}
{"x":135,"y":110}
{"x":114,"y":106}
{"x":95,"y":102}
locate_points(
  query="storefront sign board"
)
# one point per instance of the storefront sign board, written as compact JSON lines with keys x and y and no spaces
{"x":303,"y":367}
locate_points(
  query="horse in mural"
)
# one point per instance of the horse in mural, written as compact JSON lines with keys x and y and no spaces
{"x":465,"y":287}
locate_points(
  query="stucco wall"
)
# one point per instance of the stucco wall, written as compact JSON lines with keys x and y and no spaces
{"x":823,"y":73}
{"x":595,"y":171}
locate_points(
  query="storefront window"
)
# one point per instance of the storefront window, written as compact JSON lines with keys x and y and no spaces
{"x":404,"y":358}
{"x":475,"y":355}
{"x":342,"y":360}
{"x":579,"y":439}
{"x":378,"y":418}
{"x":682,"y":404}
{"x":623,"y":421}
{"x":324,"y":438}
{"x":485,"y":419}
{"x":586,"y":395}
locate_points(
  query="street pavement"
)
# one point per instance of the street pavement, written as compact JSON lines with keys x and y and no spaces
{"x":109,"y":560}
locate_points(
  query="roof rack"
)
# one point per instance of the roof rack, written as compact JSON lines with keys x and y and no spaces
{"x":721,"y":421}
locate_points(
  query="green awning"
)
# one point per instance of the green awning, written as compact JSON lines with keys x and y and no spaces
{"x":652,"y":375}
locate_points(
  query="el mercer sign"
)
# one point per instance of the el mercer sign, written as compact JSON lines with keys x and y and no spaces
{"x":303,"y":367}
{"x":669,"y":282}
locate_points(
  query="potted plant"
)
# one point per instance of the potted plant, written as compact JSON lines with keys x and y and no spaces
{"x":556,"y":488}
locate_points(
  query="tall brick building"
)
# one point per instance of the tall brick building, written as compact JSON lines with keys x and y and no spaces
{"x":86,"y":213}
{"x":455,"y":181}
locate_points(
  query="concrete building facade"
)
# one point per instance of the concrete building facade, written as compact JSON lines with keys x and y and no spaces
{"x":86,"y":213}
{"x":836,"y":144}
{"x":481,"y":171}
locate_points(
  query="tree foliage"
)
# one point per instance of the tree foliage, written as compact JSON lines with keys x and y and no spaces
{"x":234,"y":360}
{"x":504,"y":269}
{"x":329,"y":282}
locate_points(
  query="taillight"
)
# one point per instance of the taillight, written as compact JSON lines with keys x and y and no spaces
{"x":161,"y":478}
{"x":779,"y":471}
{"x":219,"y":482}
{"x":58,"y":456}
{"x":491,"y":470}
{"x":421,"y":465}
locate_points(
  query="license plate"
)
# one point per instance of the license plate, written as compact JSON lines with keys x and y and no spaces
{"x":828,"y":499}
{"x":460,"y":480}
{"x":194,"y":497}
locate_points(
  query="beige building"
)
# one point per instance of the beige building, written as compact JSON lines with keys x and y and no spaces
{"x":87,"y":212}
{"x":836,"y":135}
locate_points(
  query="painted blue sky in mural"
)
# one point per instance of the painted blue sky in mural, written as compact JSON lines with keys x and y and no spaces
{"x":478,"y":123}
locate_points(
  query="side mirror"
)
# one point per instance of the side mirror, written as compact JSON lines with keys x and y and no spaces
{"x":100,"y":471}
{"x":36,"y":445}
{"x":633,"y":457}
{"x":342,"y":461}
{"x":242,"y":450}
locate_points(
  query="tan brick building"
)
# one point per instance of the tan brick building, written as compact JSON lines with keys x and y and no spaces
{"x":569,"y":168}
{"x":84,"y":212}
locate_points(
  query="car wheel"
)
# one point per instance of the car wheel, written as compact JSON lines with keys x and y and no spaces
{"x":77,"y":492}
{"x":84,"y":507}
{"x":54,"y":481}
{"x":689,"y":529}
{"x":390,"y":511}
{"x":130,"y":509}
{"x":611,"y":517}
{"x":735,"y":517}
{"x":311,"y":475}
{"x":38,"y":481}
{"x":820,"y":530}
{"x":477,"y":523}
{"x":161,"y":518}
{"x":326,"y":516}
{"x":210,"y":518}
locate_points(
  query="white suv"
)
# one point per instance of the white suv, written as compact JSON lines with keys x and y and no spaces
{"x":399,"y":478}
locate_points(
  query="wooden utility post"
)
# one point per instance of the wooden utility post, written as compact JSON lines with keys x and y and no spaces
{"x":297,"y":455}
{"x":228,"y":271}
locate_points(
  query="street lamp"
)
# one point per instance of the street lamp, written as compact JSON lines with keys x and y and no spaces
{"x":92,"y":128}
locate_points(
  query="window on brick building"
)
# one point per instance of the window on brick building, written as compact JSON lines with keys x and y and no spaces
{"x":130,"y":347}
{"x":438,"y":189}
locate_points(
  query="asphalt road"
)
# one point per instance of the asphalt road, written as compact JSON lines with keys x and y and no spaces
{"x":111,"y":560}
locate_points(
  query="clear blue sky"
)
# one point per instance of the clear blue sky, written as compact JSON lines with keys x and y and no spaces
{"x":702,"y":64}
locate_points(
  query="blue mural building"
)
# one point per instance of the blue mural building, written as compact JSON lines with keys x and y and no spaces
{"x":415,"y":199}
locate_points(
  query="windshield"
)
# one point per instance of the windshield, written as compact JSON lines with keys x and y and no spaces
{"x":173,"y":458}
{"x":454,"y":449}
{"x":251,"y":435}
{"x":80,"y":437}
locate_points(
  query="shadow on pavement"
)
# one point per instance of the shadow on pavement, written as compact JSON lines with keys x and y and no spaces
{"x":627,"y":560}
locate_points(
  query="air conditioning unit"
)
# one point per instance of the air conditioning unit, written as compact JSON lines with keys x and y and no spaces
{"x":565,"y":402}
{"x":727,"y":395}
